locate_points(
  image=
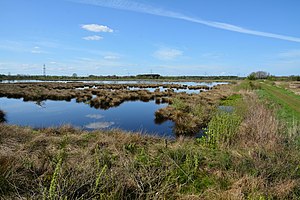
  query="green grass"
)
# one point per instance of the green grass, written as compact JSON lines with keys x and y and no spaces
{"x":287,"y":102}
{"x":231,"y":100}
{"x":247,"y":85}
{"x":222,"y":129}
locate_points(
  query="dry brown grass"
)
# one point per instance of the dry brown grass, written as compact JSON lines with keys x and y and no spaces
{"x":261,"y":162}
{"x":293,"y":86}
{"x":260,"y":127}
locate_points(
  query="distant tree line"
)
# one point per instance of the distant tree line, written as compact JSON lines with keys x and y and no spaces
{"x":75,"y":77}
{"x":266,"y":75}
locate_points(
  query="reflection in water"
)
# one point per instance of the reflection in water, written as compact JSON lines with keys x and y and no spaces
{"x":40,"y":103}
{"x":99,"y":125}
{"x":228,"y":109}
{"x":95,"y":116}
{"x":2,"y":116}
{"x":129,"y":116}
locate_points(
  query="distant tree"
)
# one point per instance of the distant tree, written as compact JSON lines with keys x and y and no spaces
{"x":251,"y":76}
{"x":74,"y":75}
{"x":262,"y":74}
{"x":271,"y":78}
{"x":258,"y":75}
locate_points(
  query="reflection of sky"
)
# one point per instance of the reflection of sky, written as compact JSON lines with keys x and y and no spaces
{"x":94,"y":116}
{"x":130,"y":116}
{"x":161,"y":89}
{"x":99,"y":125}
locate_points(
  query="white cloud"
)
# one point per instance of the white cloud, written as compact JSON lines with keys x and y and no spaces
{"x":93,"y":37}
{"x":111,"y":57}
{"x":143,"y":8}
{"x":97,"y":28}
{"x":94,"y":116}
{"x":99,"y":125}
{"x":37,"y":50}
{"x":167,"y":54}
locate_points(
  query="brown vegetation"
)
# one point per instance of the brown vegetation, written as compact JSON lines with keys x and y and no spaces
{"x":260,"y":162}
{"x":247,"y":154}
{"x":191,"y":113}
{"x":293,"y":86}
{"x":84,"y":92}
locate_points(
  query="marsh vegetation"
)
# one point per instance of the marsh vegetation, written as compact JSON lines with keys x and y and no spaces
{"x":250,"y":152}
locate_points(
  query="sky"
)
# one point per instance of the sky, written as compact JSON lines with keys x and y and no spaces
{"x":168,"y":37}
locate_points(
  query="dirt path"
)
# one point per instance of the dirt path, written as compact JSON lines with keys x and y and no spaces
{"x":290,"y":100}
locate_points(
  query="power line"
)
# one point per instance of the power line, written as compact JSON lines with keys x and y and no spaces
{"x":44,"y":70}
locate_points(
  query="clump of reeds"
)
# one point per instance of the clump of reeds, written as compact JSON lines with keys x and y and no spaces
{"x":222,"y":129}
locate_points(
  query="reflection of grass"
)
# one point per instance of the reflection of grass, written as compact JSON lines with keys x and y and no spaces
{"x":2,"y":116}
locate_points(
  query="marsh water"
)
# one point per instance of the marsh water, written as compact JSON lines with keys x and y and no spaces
{"x":129,"y":116}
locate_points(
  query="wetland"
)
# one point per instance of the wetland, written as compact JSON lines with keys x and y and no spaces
{"x":139,"y":106}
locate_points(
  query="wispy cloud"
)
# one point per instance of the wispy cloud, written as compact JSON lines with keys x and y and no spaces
{"x":111,"y":57}
{"x":93,"y":37}
{"x":36,"y":50}
{"x":97,"y":28}
{"x":143,"y":8}
{"x":295,"y":53}
{"x":167,"y":53}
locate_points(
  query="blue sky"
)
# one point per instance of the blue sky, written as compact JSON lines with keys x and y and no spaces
{"x":169,"y":37}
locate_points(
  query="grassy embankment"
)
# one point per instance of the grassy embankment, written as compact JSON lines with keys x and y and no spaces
{"x":247,"y":154}
{"x":288,"y":102}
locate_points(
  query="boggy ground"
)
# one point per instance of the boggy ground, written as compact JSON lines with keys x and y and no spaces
{"x":84,"y":91}
{"x":246,"y":154}
{"x":190,"y":112}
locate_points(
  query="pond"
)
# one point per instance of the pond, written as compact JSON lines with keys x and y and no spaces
{"x":130,"y":116}
{"x":136,"y":116}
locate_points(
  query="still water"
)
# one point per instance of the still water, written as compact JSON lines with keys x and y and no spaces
{"x":130,"y":116}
